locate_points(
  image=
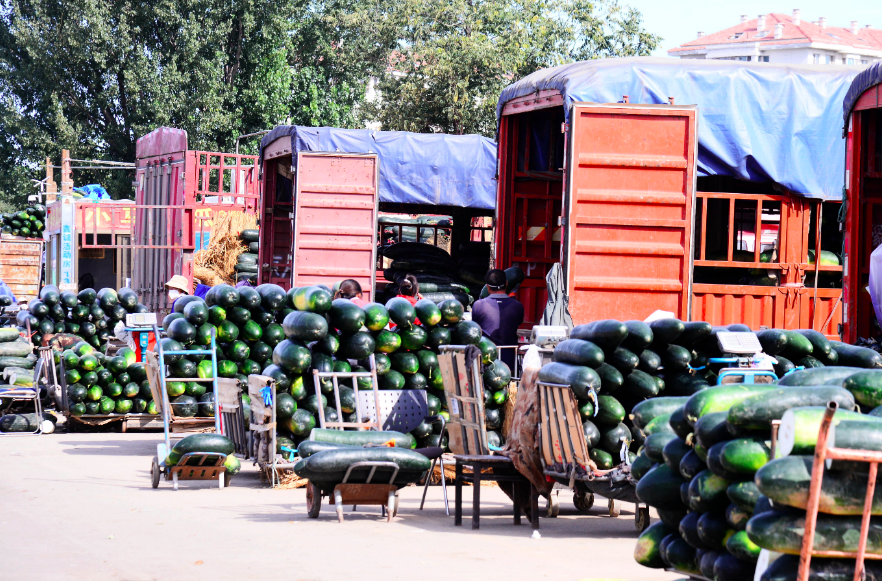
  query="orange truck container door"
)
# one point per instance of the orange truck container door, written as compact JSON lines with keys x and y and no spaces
{"x":335,"y":233}
{"x":631,"y":191}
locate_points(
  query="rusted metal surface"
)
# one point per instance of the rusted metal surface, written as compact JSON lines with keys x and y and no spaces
{"x":178,"y":194}
{"x":863,"y":219}
{"x":21,"y":267}
{"x":629,"y":223}
{"x":335,"y":234}
{"x":824,"y":452}
{"x":540,"y":100}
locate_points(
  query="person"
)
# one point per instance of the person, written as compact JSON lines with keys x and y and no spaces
{"x":178,"y":285}
{"x":499,"y":315}
{"x":350,"y":289}
{"x":409,"y":288}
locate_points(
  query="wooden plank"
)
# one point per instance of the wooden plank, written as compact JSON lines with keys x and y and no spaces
{"x":577,"y":435}
{"x":545,"y":419}
{"x":560,"y":429}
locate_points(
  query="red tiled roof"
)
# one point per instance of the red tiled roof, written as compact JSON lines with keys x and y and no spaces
{"x":804,"y":32}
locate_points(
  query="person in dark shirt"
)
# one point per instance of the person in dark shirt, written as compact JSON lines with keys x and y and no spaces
{"x":499,"y":315}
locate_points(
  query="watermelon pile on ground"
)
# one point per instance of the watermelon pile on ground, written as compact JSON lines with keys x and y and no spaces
{"x":99,"y":385}
{"x":88,"y":314}
{"x":704,"y":458}
{"x":16,"y":353}
{"x":439,"y":276}
{"x":28,"y":223}
{"x":246,"y":262}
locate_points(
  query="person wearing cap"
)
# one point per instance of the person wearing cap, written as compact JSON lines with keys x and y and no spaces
{"x":499,"y":315}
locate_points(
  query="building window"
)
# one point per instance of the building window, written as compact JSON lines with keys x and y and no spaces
{"x":762,"y":59}
{"x":850,"y":62}
{"x":863,"y":61}
{"x":816,"y":59}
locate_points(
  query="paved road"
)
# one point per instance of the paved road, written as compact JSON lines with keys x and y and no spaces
{"x":80,"y":506}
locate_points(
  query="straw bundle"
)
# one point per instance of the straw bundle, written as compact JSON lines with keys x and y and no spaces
{"x":207,"y":276}
{"x":225,"y":246}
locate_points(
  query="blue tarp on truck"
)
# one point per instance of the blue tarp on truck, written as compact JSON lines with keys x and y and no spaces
{"x":415,"y":168}
{"x":758,"y":122}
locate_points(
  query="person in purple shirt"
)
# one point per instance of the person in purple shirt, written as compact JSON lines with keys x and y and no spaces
{"x":499,"y":315}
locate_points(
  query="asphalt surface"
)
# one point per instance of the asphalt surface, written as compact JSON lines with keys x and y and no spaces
{"x":81,"y":506}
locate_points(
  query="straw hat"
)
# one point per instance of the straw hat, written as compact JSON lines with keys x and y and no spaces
{"x":179,"y":282}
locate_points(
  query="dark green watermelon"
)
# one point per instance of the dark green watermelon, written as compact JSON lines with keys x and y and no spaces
{"x":182,"y":331}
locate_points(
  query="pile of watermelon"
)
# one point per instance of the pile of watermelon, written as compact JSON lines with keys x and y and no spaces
{"x":28,"y":223}
{"x":705,"y":462}
{"x":89,"y":315}
{"x":101,"y":385}
{"x":266,"y":331}
{"x":246,"y":262}
{"x":437,"y":273}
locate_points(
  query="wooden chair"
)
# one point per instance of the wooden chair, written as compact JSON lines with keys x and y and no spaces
{"x":565,"y":458}
{"x":464,"y":389}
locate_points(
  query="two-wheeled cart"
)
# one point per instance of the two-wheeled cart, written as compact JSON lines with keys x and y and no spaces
{"x":194,"y":465}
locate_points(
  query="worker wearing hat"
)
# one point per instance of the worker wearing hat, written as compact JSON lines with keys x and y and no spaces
{"x":499,"y":315}
{"x":178,"y":285}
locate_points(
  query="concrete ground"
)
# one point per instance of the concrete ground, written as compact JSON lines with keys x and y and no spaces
{"x":81,"y":506}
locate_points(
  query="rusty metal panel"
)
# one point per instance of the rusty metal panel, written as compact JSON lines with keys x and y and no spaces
{"x":754,"y":306}
{"x":335,"y":234}
{"x":21,"y":267}
{"x":630,"y":197}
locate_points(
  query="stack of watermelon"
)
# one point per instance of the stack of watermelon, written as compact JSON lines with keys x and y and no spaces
{"x":705,"y":455}
{"x":90,"y":315}
{"x":246,"y":262}
{"x":28,"y":223}
{"x":101,"y":385}
{"x":265,"y":330}
{"x":433,"y":268}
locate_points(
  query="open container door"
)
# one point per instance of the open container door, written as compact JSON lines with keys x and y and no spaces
{"x":335,"y":232}
{"x":631,"y":192}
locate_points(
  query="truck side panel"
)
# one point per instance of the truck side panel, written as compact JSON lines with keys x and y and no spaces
{"x":631,"y":191}
{"x":335,"y":237}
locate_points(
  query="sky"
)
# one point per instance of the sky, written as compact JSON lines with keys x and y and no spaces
{"x":679,"y":21}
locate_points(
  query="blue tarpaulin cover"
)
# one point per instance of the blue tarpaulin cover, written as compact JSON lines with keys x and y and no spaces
{"x":415,"y":168}
{"x":867,"y":79}
{"x":758,"y":122}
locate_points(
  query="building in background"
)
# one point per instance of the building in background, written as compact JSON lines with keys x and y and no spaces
{"x":778,"y":38}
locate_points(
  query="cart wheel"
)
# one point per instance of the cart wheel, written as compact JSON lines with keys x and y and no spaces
{"x":313,"y":500}
{"x":583,"y":501}
{"x":613,"y":509}
{"x":641,"y":518}
{"x":552,"y":506}
{"x":154,"y":472}
{"x":227,"y":479}
{"x":390,"y":507}
{"x":175,"y":480}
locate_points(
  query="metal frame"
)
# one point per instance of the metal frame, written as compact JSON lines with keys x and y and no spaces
{"x":472,"y":436}
{"x":564,"y":451}
{"x":823,"y":452}
{"x":163,"y":449}
{"x":21,"y":393}
{"x":353,"y":375}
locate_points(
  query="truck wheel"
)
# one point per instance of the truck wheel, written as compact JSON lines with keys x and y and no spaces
{"x":313,"y":500}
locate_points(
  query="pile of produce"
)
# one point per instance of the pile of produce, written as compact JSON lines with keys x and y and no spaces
{"x":246,"y":262}
{"x":409,"y":233}
{"x":90,"y":315}
{"x":28,"y":223}
{"x":16,"y":353}
{"x":433,"y":268}
{"x":27,"y":422}
{"x":203,"y":443}
{"x":99,"y":385}
{"x":704,"y":454}
{"x":265,"y":330}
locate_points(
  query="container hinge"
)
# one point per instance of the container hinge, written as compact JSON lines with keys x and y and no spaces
{"x":561,"y":221}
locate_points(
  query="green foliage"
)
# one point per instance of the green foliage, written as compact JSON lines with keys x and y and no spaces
{"x":454,"y":57}
{"x":93,"y":76}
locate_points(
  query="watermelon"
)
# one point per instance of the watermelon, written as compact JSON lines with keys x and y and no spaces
{"x":346,"y":316}
{"x":401,"y":312}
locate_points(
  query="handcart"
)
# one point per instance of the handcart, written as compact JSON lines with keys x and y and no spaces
{"x":194,"y":465}
{"x":31,"y":393}
{"x":373,"y":480}
{"x":564,"y":454}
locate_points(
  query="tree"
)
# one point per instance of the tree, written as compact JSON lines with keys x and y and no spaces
{"x":454,"y":57}
{"x":93,"y":76}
